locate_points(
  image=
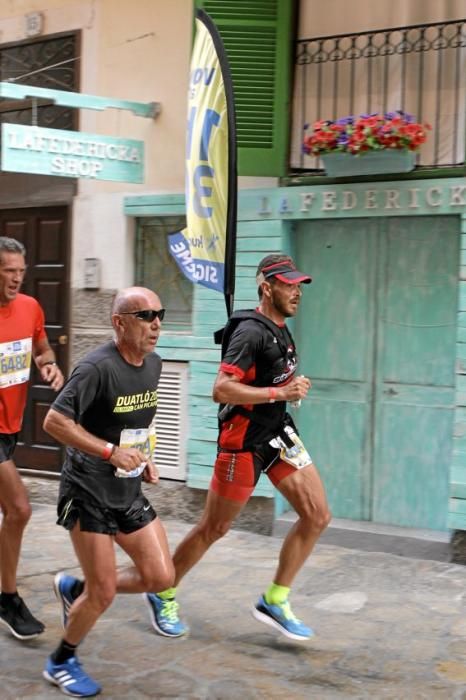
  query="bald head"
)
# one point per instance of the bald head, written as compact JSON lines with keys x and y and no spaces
{"x":133,"y":299}
{"x":137,"y":316}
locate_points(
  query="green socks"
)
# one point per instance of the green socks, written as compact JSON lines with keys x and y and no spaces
{"x":167,"y":594}
{"x":276,"y":594}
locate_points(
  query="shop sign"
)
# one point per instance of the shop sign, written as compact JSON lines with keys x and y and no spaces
{"x":445,"y":196}
{"x":33,"y":149}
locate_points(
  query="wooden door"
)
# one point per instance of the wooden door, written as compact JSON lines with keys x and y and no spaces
{"x":415,"y":387}
{"x":334,"y":335}
{"x":376,"y":334}
{"x":45,"y":234}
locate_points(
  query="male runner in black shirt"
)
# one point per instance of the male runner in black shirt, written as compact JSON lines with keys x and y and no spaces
{"x":257,"y":377}
{"x":105,"y":415}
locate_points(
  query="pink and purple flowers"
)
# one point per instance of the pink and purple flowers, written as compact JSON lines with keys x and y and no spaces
{"x":368,"y":132}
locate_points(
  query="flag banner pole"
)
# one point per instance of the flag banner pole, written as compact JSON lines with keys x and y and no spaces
{"x":205,"y":250}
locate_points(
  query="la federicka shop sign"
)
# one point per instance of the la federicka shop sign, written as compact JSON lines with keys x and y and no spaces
{"x":32,"y":149}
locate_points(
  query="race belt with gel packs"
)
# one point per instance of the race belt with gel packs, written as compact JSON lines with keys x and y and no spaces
{"x":296,"y":454}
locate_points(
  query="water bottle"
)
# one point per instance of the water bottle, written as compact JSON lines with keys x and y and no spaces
{"x":297,"y":402}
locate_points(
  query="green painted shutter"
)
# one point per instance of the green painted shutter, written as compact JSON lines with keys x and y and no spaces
{"x":257,"y":39}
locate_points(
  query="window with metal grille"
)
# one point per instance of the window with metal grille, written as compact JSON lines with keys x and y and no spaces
{"x":51,"y":62}
{"x":172,"y":421}
{"x":157,"y":270}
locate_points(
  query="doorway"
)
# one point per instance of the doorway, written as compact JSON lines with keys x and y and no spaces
{"x":45,"y":234}
{"x":376,"y":334}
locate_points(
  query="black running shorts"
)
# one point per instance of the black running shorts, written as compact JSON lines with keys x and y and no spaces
{"x":7,"y":446}
{"x":108,"y":521}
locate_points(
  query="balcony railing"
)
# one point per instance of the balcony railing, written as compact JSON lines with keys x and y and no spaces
{"x":420,"y":69}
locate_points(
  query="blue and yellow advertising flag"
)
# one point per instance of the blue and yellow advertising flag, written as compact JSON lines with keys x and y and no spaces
{"x":206,"y":249}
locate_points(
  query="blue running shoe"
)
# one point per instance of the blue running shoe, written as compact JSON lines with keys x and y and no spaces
{"x":164,"y":615}
{"x":71,"y":678}
{"x":282,"y":618}
{"x":63,"y":586}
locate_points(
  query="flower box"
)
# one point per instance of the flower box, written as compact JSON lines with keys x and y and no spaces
{"x":381,"y":162}
{"x":370,"y":144}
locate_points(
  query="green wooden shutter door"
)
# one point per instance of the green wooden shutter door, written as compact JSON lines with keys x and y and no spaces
{"x":257,"y":39}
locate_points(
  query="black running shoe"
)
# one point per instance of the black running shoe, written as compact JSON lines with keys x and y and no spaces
{"x":19,"y":619}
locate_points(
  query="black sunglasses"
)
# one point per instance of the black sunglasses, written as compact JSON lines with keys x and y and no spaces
{"x":148,"y":315}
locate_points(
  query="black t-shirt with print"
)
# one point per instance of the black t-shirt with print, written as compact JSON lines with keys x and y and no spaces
{"x":259,"y":356}
{"x":106,"y":394}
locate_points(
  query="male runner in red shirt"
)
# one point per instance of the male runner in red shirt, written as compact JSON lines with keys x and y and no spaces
{"x":257,"y":376}
{"x":22,"y":338}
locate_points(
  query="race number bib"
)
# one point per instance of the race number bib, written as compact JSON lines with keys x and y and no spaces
{"x":142,"y":439}
{"x":296,"y":455}
{"x":15,"y":362}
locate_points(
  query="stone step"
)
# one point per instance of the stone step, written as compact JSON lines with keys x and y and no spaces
{"x":374,"y":537}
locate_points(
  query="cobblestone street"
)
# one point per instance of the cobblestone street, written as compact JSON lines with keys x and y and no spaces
{"x":386,"y":627}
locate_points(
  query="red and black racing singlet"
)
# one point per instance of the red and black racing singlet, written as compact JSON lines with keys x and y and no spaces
{"x":260,"y":353}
